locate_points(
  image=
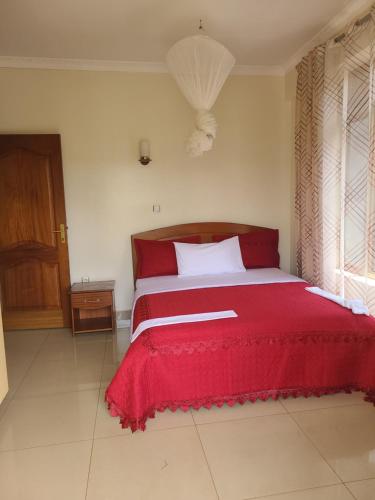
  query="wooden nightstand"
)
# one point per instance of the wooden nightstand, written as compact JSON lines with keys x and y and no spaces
{"x":93,"y":306}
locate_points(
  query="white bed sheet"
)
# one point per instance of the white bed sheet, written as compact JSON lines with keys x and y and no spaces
{"x":174,"y":283}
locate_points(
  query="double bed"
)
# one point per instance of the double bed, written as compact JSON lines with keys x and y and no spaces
{"x":235,"y":337}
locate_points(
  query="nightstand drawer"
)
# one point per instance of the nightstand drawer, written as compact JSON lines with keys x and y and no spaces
{"x":91,"y":300}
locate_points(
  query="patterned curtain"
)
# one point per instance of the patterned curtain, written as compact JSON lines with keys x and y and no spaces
{"x":335,"y":148}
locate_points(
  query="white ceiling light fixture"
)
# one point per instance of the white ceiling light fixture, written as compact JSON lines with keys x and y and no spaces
{"x":200,"y":66}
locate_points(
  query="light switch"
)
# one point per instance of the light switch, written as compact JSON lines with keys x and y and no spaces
{"x":156,"y":209}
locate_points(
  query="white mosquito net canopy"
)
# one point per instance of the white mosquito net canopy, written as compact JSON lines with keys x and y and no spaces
{"x":200,"y":66}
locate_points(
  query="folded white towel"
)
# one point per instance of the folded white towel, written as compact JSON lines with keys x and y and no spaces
{"x":356,"y":305}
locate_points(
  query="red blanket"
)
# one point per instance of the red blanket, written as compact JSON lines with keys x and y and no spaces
{"x":285,"y":341}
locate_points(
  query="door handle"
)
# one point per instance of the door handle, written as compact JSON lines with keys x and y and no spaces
{"x":62,"y":232}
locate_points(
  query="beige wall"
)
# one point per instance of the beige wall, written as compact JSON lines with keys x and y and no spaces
{"x":102,"y":115}
{"x":3,"y":366}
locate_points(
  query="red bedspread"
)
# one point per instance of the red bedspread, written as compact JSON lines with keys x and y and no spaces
{"x":285,"y":341}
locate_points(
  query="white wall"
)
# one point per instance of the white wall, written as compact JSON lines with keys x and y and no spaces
{"x":102,"y":115}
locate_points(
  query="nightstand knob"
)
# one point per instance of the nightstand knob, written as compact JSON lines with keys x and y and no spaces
{"x":91,"y":300}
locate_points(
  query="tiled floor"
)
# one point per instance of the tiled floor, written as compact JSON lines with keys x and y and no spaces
{"x":57,"y":441}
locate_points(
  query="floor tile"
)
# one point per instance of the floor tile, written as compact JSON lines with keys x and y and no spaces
{"x":169,"y":419}
{"x":59,"y":331}
{"x":55,"y":379}
{"x":20,"y":350}
{"x":107,"y":426}
{"x":109,"y":370}
{"x":328,"y":401}
{"x":116,"y":348}
{"x":363,"y":490}
{"x":66,"y":347}
{"x":34,"y":336}
{"x":4,"y":405}
{"x":47,"y":420}
{"x":257,"y":409}
{"x":345,"y":437}
{"x":107,"y":375}
{"x":167,"y":465}
{"x":262,"y":456}
{"x":64,"y":375}
{"x":117,"y":345}
{"x":79,"y":337}
{"x":16,"y":373}
{"x":21,"y":345}
{"x":45,"y":473}
{"x":40,"y":331}
{"x":337,"y":492}
{"x":83,"y":338}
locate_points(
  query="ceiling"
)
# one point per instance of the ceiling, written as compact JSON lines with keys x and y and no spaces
{"x":257,"y":32}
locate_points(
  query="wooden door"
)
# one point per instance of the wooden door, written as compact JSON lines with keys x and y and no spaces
{"x":34,"y":264}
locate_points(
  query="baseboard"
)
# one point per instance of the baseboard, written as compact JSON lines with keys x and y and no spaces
{"x":123,"y":323}
{"x":123,"y":319}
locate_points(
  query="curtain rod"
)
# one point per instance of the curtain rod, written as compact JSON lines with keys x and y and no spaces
{"x":358,"y":22}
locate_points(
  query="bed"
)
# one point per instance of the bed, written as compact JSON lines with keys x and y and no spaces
{"x":281,"y":340}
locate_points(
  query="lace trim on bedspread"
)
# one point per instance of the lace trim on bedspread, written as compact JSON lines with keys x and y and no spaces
{"x":140,"y":423}
{"x":247,"y":340}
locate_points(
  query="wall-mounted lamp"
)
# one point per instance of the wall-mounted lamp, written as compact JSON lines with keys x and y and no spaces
{"x":144,"y":152}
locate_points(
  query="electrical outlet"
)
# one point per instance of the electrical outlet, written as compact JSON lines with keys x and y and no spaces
{"x":156,"y":209}
{"x":85,"y":279}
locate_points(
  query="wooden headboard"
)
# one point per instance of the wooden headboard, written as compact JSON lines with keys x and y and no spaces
{"x":204,"y":229}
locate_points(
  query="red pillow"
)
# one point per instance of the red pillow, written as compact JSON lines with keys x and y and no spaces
{"x":158,"y":258}
{"x":258,"y":248}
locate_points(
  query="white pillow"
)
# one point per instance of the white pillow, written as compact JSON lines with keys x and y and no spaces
{"x":209,"y":258}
